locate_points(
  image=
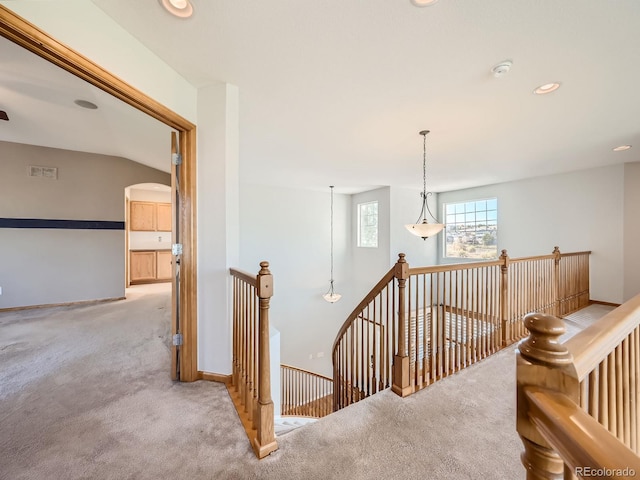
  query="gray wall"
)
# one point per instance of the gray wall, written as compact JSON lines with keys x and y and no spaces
{"x":46,"y":266}
{"x":576,"y":211}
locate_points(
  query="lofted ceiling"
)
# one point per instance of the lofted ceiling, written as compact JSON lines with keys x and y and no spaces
{"x":336,"y":91}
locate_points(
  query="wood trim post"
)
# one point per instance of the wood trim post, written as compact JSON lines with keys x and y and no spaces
{"x":543,"y":362}
{"x":556,"y":281}
{"x":265,"y":441}
{"x":504,"y":299}
{"x":401,"y":383}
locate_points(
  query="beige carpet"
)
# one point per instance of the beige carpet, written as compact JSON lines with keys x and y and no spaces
{"x":85,"y":394}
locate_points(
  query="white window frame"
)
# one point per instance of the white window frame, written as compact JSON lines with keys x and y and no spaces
{"x":467,"y":225}
{"x":360,"y":226}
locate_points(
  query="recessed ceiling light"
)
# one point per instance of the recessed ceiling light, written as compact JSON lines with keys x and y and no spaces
{"x":179,"y":8}
{"x":546,"y":88}
{"x":622,"y":148}
{"x":86,"y":104}
{"x":423,"y":3}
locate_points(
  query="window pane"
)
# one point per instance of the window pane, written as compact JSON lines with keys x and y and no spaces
{"x":472,"y":231}
{"x":368,"y":224}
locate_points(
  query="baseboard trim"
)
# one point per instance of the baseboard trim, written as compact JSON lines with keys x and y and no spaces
{"x":215,"y":377}
{"x":608,"y":304}
{"x":65,"y":304}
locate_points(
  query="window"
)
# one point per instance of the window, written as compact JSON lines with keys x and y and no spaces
{"x":471,"y":229}
{"x":368,"y":224}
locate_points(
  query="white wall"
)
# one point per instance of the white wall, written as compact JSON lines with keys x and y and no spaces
{"x":290,"y":229}
{"x":631,"y":230}
{"x":575,"y":211}
{"x":218,"y":222}
{"x":370,"y":264}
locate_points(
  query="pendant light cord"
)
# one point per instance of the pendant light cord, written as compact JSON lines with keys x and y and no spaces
{"x":331,"y":230}
{"x":424,"y":194}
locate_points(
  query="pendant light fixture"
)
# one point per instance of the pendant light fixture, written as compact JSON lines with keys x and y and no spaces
{"x":331,"y":296}
{"x":422,"y":228}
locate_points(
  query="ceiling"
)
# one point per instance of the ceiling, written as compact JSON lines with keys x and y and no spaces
{"x":334,"y":92}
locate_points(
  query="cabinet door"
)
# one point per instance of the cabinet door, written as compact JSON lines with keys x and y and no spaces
{"x":143,"y":216}
{"x":164,"y":264}
{"x":143,"y":266}
{"x":164,"y":217}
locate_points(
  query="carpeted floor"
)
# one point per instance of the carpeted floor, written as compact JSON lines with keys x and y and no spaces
{"x":85,"y":394}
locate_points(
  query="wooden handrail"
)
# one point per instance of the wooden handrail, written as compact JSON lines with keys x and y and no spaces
{"x":305,"y":393}
{"x":590,"y":346}
{"x":578,"y":401}
{"x":452,"y":267}
{"x":584,"y":445}
{"x":251,"y":382}
{"x":307,"y":372}
{"x":573,"y":254}
{"x":244,"y":276}
{"x":440,"y":319}
{"x":358,"y":310}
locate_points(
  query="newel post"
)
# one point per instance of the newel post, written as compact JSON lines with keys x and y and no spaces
{"x":504,"y":299}
{"x":401,"y":365}
{"x":556,"y":281}
{"x":542,"y":362}
{"x":265,"y":442}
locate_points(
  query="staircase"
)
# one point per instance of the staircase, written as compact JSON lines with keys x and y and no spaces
{"x":284,"y":425}
{"x":416,"y":326}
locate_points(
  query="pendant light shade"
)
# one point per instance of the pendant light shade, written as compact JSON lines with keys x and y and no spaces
{"x":422,"y":228}
{"x":331,"y":296}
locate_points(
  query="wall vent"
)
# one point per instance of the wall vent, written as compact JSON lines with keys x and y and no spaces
{"x":46,"y":172}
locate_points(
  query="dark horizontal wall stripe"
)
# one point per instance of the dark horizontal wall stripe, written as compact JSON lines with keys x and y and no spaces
{"x":60,"y":224}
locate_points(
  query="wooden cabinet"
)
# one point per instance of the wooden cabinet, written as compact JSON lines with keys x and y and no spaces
{"x":150,"y":216}
{"x":163,"y":264}
{"x":163,"y":217}
{"x":149,"y":266}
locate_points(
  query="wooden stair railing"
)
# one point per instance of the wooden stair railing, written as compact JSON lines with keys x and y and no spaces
{"x":418,"y":325}
{"x":251,"y":382}
{"x":304,"y":393}
{"x":578,"y":402}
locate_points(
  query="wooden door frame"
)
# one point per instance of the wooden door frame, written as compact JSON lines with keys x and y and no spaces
{"x":30,"y":37}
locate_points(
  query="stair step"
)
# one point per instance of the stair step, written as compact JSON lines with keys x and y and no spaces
{"x":284,"y":425}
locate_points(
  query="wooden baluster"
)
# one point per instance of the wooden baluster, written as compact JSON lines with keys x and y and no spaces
{"x":556,"y":282}
{"x":504,"y":299}
{"x":265,"y":442}
{"x":401,"y":362}
{"x":543,"y":362}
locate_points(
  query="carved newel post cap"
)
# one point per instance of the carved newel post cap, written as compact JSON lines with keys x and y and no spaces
{"x":542,"y":346}
{"x":264,"y":269}
{"x":401,"y":258}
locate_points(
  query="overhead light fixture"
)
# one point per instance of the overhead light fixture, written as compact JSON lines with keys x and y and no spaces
{"x":331,"y":296}
{"x":86,"y":104}
{"x":423,"y":228}
{"x":423,"y":3}
{"x":547,"y":88}
{"x":178,"y":8}
{"x":622,"y":148}
{"x":502,"y":68}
